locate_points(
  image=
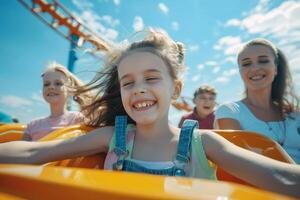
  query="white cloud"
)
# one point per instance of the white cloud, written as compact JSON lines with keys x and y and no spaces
{"x":233,"y":22}
{"x":200,"y":66}
{"x":261,"y":6}
{"x":195,"y":78}
{"x":110,"y":21}
{"x":37,"y":97}
{"x":14,"y":101}
{"x":228,"y":44}
{"x":211,"y":63}
{"x":95,"y":23}
{"x":222,"y":79}
{"x":163,"y":8}
{"x":216,"y":70}
{"x":231,"y":59}
{"x":175,"y":26}
{"x":117,"y":2}
{"x":230,"y":72}
{"x":193,"y":47}
{"x":138,"y":23}
{"x":226,"y":75}
{"x":83,"y":4}
{"x":280,"y":24}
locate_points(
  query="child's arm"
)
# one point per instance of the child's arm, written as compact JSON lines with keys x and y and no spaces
{"x":41,"y":152}
{"x":256,"y":169}
{"x":26,"y":137}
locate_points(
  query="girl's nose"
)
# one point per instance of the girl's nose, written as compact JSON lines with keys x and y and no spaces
{"x":140,"y":90}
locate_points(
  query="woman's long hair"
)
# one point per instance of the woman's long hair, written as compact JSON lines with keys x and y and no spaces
{"x":282,"y":92}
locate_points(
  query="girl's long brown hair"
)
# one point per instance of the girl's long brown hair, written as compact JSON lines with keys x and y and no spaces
{"x":106,"y":104}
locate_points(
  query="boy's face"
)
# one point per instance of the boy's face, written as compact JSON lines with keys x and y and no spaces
{"x":205,"y":104}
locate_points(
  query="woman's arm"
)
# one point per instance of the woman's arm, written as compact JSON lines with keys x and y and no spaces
{"x":256,"y":169}
{"x":228,"y":123}
{"x":41,"y":152}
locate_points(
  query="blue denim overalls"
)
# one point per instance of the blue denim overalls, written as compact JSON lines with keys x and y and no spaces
{"x":182,"y":157}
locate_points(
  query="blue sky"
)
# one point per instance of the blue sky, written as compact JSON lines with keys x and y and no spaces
{"x":211,"y":30}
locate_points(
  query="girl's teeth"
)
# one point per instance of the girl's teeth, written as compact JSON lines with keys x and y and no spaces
{"x":143,"y":105}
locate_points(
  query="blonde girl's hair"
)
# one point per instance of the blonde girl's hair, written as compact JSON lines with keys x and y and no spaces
{"x":73,"y":82}
{"x":107,"y":103}
{"x":282,"y":92}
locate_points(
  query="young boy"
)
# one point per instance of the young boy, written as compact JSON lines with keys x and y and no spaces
{"x":205,"y":101}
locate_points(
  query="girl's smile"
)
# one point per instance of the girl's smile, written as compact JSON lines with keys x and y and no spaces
{"x":54,"y":88}
{"x":143,"y":105}
{"x":146,"y":87}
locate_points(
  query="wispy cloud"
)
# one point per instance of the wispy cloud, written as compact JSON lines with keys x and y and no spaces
{"x":228,"y":44}
{"x":193,"y":47}
{"x":83,"y":4}
{"x":230,"y":72}
{"x":138,"y":23}
{"x":14,"y":101}
{"x":109,"y":20}
{"x":195,"y":78}
{"x":117,"y":2}
{"x":225,"y":77}
{"x":216,"y":69}
{"x":37,"y":97}
{"x":103,"y":25}
{"x":163,"y":8}
{"x":211,"y":63}
{"x":281,"y":24}
{"x":175,"y":26}
{"x":222,"y":79}
{"x":200,"y":66}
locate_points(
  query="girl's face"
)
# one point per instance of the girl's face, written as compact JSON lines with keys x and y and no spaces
{"x":54,"y":87}
{"x":146,"y":87}
{"x":257,"y":67}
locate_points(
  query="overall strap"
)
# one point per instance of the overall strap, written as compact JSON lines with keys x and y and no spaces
{"x":184,"y":146}
{"x":120,"y":139}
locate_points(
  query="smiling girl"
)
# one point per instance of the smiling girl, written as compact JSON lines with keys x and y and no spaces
{"x":57,"y":83}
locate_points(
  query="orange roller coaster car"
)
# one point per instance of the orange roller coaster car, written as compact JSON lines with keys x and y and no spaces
{"x":61,"y":180}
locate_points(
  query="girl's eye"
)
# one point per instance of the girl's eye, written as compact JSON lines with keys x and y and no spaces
{"x":246,"y":64}
{"x":127,"y":84}
{"x":150,"y":79}
{"x":46,"y":84}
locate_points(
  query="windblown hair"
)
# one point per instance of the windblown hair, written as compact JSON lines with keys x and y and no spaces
{"x":107,"y":103}
{"x":72,"y":82}
{"x":282,"y":93}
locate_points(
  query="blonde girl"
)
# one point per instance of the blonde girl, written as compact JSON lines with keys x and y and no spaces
{"x":57,"y":88}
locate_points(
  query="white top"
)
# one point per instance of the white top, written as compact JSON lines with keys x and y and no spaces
{"x":286,"y":132}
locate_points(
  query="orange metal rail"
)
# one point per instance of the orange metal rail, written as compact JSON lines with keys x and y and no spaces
{"x":56,"y":16}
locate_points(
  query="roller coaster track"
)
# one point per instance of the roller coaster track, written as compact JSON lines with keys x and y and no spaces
{"x":60,"y":19}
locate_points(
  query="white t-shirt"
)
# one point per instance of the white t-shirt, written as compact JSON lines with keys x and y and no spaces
{"x":286,"y":132}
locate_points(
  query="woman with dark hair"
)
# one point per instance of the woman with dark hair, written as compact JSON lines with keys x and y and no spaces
{"x":270,"y":107}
